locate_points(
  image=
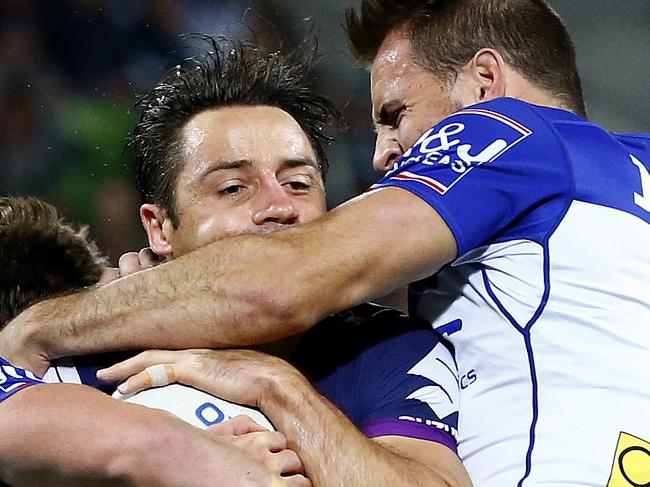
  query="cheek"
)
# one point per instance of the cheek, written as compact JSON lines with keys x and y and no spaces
{"x":223,"y":225}
{"x":313,"y":209}
{"x":409,"y":131}
{"x":420,"y":122}
{"x":204,"y":230}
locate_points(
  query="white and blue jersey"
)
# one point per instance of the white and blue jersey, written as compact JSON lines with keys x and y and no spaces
{"x":387,"y":373}
{"x":548,"y":302}
{"x":14,"y":379}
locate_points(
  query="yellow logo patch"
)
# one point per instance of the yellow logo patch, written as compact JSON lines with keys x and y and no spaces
{"x":631,"y":463}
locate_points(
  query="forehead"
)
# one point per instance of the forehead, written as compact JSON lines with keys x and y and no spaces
{"x":393,"y":55}
{"x":392,"y":65}
{"x":260,"y":134}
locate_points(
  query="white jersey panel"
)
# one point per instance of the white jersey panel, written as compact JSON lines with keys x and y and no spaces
{"x":515,"y":272}
{"x":592,"y":366}
{"x":63,"y":370}
{"x":546,"y":391}
{"x":494,"y":423}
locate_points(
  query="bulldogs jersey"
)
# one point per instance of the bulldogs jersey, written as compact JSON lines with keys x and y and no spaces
{"x":13,"y":379}
{"x":388,"y":374}
{"x":548,"y":302}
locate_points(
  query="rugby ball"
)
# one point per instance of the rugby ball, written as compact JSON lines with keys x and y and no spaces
{"x":196,"y":407}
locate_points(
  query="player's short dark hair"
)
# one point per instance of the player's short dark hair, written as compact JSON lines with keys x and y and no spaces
{"x":446,"y":34}
{"x":41,"y":255}
{"x":231,"y":73}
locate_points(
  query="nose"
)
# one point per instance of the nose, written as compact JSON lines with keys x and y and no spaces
{"x":387,"y":152}
{"x":274,"y":205}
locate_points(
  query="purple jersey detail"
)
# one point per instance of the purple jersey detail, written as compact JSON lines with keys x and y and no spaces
{"x":392,"y":427}
{"x":380,"y":367}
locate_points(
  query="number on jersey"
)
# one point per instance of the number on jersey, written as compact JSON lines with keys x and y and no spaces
{"x":642,"y":199}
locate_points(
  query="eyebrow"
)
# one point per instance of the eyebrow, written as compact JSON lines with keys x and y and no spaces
{"x":302,"y":161}
{"x":225,"y":164}
{"x":386,"y":112}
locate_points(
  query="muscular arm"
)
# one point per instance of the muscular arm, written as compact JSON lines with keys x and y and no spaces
{"x":247,"y":289}
{"x":335,"y":453}
{"x":66,"y":434}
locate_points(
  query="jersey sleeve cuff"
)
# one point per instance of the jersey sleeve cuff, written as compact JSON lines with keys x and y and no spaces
{"x":423,"y":195}
{"x":9,"y":391}
{"x":395,"y":427}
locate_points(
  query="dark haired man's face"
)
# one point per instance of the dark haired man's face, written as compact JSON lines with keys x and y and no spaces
{"x":247,"y":170}
{"x":407,"y":100}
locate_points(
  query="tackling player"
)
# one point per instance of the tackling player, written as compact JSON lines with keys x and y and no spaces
{"x":537,"y":219}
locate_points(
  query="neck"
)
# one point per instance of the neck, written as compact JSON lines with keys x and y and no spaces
{"x":521,"y":88}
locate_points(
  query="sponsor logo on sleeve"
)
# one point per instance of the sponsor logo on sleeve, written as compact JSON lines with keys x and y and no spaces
{"x":457,"y":149}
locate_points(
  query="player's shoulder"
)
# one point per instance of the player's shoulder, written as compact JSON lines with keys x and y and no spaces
{"x":500,"y":129}
{"x":371,"y":329}
{"x":380,"y":321}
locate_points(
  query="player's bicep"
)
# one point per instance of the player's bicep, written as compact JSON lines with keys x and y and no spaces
{"x":416,"y":239}
{"x":434,"y":456}
{"x":44,"y":425}
{"x":380,"y":240}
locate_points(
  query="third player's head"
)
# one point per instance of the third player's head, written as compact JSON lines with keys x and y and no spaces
{"x":42,"y":255}
{"x":231,"y":143}
{"x":429,"y":58}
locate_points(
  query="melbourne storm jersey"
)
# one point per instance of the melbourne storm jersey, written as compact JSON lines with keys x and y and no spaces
{"x":548,"y":302}
{"x":387,"y":373}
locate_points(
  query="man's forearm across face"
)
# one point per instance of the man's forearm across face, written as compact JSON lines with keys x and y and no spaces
{"x":245,"y":290}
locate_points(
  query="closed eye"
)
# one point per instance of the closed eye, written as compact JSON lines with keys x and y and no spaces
{"x":390,"y":114}
{"x":396,"y":118}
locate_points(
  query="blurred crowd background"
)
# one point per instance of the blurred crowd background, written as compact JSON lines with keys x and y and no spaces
{"x":71,"y":71}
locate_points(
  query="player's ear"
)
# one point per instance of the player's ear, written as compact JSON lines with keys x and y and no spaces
{"x":157,"y":225}
{"x":488,"y":70}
